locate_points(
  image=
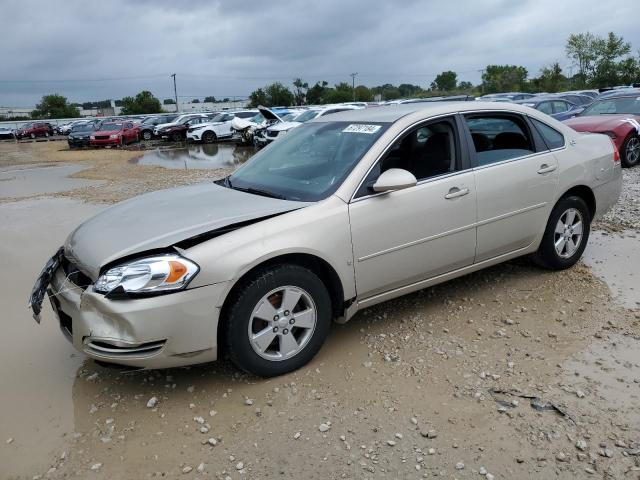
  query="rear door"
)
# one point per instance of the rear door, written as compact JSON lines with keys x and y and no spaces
{"x":516,"y":176}
{"x":403,"y":237}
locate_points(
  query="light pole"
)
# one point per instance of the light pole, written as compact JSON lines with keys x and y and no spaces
{"x":353,"y":84}
{"x":175,"y":90}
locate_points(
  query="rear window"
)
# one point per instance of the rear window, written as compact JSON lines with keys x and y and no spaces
{"x":552,"y":137}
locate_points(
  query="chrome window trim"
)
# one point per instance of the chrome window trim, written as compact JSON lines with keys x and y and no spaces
{"x":386,"y":149}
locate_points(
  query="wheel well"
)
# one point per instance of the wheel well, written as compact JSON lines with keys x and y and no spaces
{"x":320,"y":267}
{"x":586,"y":194}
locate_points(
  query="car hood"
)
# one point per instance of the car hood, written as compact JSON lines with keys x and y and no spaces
{"x":269,"y":114}
{"x":599,"y":123}
{"x":107,"y":132}
{"x":283,"y":126}
{"x":160,"y":219}
{"x":165,"y":125}
{"x":242,"y":123}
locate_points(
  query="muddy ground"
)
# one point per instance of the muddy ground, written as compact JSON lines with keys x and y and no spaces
{"x":509,"y":373}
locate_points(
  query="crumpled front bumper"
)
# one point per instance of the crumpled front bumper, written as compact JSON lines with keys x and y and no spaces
{"x":164,"y":331}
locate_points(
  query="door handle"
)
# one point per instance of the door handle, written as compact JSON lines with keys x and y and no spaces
{"x":456,"y":192}
{"x":544,"y":168}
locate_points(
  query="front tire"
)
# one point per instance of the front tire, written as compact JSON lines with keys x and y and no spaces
{"x":277,"y":321}
{"x":209,"y":137}
{"x":176,"y":137}
{"x":566,"y":234}
{"x":631,"y":151}
{"x":147,"y":135}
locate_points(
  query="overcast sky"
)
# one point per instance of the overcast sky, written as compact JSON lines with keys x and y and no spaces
{"x":90,"y":50}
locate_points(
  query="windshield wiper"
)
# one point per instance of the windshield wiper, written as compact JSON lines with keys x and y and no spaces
{"x":258,"y":191}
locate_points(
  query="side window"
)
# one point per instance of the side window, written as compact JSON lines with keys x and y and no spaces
{"x":560,"y":106}
{"x":497,"y":138}
{"x":545,"y":107}
{"x":551,"y":136}
{"x":427,"y":151}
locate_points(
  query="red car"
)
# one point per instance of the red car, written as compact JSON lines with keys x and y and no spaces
{"x":617,"y":116}
{"x":114,"y":134}
{"x":33,"y":130}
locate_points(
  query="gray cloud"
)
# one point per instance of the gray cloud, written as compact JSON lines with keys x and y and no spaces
{"x":91,"y":50}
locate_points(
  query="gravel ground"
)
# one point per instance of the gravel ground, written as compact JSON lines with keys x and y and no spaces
{"x":509,"y":373}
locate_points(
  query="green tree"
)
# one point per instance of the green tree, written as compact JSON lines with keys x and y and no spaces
{"x":550,"y":79}
{"x":195,"y":100}
{"x":363,"y":94}
{"x":143,"y":102}
{"x":581,"y":48}
{"x":169,"y":101}
{"x":300,"y":91}
{"x":445,"y":81}
{"x":387,"y":91}
{"x":629,"y":70}
{"x":601,"y":61}
{"x":271,"y":95}
{"x":210,"y":99}
{"x":608,"y":51}
{"x":55,"y":106}
{"x":342,"y":92}
{"x":504,"y":78}
{"x":317,"y":93}
{"x":465,"y":86}
{"x":408,"y":90}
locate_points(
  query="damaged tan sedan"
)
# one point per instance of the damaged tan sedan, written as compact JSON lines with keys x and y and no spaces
{"x":341,"y":213}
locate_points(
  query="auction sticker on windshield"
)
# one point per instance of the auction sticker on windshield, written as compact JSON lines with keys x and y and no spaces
{"x":359,"y":128}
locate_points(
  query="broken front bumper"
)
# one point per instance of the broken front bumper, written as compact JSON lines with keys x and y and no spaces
{"x":164,"y":331}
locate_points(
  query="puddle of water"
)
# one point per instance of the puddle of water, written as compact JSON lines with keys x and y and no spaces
{"x":610,"y":369}
{"x":615,"y":259}
{"x":34,"y":181}
{"x":37,"y":364}
{"x":208,"y":156}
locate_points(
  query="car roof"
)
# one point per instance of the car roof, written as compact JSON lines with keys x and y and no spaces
{"x":392,"y":113}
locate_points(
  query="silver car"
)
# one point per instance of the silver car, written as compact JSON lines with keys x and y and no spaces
{"x":342,"y":213}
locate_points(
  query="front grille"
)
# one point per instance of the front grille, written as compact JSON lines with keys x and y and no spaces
{"x":102,"y":137}
{"x":74,"y":274}
{"x":118,"y":349}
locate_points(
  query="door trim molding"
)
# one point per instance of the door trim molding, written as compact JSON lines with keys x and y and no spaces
{"x":510,"y":214}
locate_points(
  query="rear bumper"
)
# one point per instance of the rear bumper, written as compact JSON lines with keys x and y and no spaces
{"x":156,"y":332}
{"x":607,"y":194}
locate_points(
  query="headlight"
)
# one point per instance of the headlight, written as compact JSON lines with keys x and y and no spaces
{"x":114,"y":137}
{"x":93,"y":137}
{"x":148,"y":275}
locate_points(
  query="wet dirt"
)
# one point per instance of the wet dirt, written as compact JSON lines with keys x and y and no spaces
{"x":401,"y":391}
{"x":615,"y":258}
{"x":37,"y":365}
{"x":205,"y":156}
{"x":26,"y":182}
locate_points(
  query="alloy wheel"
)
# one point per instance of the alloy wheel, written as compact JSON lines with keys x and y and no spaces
{"x":282,"y":323}
{"x":632,"y":153}
{"x":568,"y":233}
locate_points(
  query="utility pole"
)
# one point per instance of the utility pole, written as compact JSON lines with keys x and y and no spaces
{"x":175,"y":90}
{"x":481,"y":80}
{"x":353,"y":84}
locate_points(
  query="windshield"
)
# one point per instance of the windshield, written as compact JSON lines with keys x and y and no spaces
{"x":149,"y":120}
{"x":306,"y":116}
{"x":309,"y":163}
{"x":257,"y":119}
{"x":219,"y":117}
{"x":111,"y":127}
{"x":83,"y":127}
{"x":183,"y":120}
{"x":612,"y":106}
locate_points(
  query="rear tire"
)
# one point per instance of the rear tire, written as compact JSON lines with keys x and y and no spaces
{"x":631,"y":151}
{"x":290,"y":338}
{"x":566,"y":234}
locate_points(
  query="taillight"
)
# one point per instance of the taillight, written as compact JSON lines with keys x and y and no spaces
{"x":616,"y":153}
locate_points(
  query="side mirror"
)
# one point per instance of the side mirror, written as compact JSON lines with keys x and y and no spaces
{"x":394,"y":179}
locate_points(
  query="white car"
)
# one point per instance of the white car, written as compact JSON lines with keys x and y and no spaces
{"x":181,"y":120}
{"x":281,"y":128}
{"x":218,"y":128}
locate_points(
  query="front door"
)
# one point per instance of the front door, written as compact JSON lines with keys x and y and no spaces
{"x":409,"y":235}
